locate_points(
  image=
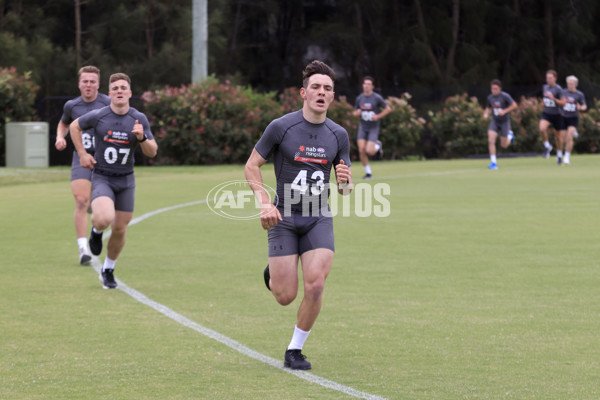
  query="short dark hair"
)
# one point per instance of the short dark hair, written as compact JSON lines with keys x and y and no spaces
{"x":89,"y":69}
{"x":369,"y":78}
{"x":117,"y":77}
{"x":553,"y":72}
{"x":316,"y":67}
{"x":496,"y":82}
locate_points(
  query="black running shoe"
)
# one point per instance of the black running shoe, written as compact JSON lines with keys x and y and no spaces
{"x":267,"y":276}
{"x":559,"y":161}
{"x":84,"y":257}
{"x":108,"y":279}
{"x":95,"y":243}
{"x":368,"y":176}
{"x":294,"y":359}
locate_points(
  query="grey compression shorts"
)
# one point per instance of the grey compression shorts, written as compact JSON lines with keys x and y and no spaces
{"x":121,"y":189}
{"x":79,"y":172}
{"x":501,"y":128}
{"x":370,"y":134}
{"x":297,"y":234}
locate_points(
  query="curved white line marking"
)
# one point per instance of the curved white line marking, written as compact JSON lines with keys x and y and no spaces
{"x":233,"y":344}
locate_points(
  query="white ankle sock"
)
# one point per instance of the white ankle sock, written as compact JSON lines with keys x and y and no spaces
{"x":96,"y":230}
{"x":368,"y":169}
{"x":493,"y":159}
{"x":298,"y":339}
{"x":82,"y":243}
{"x":109,"y":264}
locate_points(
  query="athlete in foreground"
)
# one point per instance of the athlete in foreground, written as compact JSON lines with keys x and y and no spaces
{"x":305,"y":146}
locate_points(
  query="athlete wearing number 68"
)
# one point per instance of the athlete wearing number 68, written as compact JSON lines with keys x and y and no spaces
{"x":81,"y":178}
{"x":118,"y":130}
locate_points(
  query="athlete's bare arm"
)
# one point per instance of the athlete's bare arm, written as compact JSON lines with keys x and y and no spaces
{"x":149,"y":146}
{"x":344,"y":178}
{"x":269,"y":215}
{"x":62,"y":130}
{"x":85,"y":159}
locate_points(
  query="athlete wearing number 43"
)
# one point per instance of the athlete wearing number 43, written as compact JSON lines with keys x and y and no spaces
{"x":305,"y":146}
{"x":119,"y":129}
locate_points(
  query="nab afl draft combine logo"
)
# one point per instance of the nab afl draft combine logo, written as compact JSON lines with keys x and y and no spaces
{"x":236,"y":200}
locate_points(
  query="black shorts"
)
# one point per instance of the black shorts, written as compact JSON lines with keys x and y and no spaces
{"x":571,"y":121}
{"x":297,"y":234}
{"x":556,"y":120}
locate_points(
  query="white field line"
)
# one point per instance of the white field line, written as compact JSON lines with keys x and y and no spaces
{"x":233,"y":344}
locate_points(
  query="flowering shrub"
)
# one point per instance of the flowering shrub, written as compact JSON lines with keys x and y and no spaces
{"x":216,"y":122}
{"x":458,"y":128}
{"x":589,"y":129}
{"x":525,"y":125}
{"x":210,"y":123}
{"x":17,"y":97}
{"x":401,"y":129}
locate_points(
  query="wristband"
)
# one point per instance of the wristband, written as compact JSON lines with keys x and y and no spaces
{"x":143,"y":140}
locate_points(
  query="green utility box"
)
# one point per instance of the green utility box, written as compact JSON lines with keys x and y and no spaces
{"x":26,"y":144}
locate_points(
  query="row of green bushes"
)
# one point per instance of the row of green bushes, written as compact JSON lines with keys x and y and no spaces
{"x":459,"y":130}
{"x":217,"y":122}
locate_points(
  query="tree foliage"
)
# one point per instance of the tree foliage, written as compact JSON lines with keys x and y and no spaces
{"x":454,"y":44}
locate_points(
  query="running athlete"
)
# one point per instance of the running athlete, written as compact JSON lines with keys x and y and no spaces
{"x":305,"y":145}
{"x":499,"y":104}
{"x":370,"y":107}
{"x":551,"y":115}
{"x":575,"y":101}
{"x":81,"y":178}
{"x":119,"y":129}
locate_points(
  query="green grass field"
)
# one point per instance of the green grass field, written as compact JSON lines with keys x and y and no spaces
{"x":479,"y":285}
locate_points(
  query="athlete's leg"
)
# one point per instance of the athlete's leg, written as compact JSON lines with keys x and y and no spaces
{"x":569,"y":134}
{"x":559,"y":138}
{"x":370,"y":148}
{"x":118,"y":231}
{"x":103,"y":212}
{"x":492,"y":136}
{"x":544,"y":129}
{"x":284,"y":278}
{"x":82,"y":192}
{"x":316,"y":265}
{"x":362,"y":151}
{"x":504,"y":141}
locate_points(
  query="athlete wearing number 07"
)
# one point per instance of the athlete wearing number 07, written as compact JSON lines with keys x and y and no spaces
{"x":305,"y":146}
{"x":119,"y":129}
